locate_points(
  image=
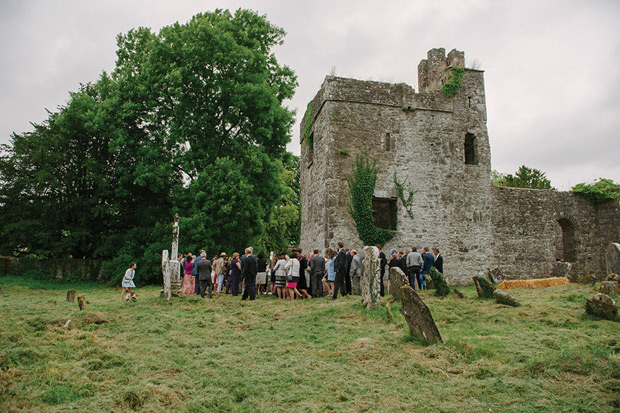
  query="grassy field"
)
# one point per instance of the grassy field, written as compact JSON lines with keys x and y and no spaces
{"x":193,"y":355}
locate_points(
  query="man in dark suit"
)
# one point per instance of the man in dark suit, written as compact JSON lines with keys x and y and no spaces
{"x":203,"y":270}
{"x":340,"y":265}
{"x":248,"y":275}
{"x":317,"y":270}
{"x":438,"y":263}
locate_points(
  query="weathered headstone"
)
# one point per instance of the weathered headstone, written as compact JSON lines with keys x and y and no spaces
{"x":68,"y":325}
{"x":603,"y":306}
{"x":612,"y":258}
{"x":388,"y":308}
{"x":458,"y":292}
{"x":483,"y":287}
{"x":370,"y":278}
{"x":419,"y":316}
{"x":441,"y":287}
{"x":81,"y":301}
{"x":502,"y":297}
{"x":397,"y":279}
{"x":609,"y":288}
{"x":71,"y":295}
{"x":495,"y":275}
{"x":563,"y":269}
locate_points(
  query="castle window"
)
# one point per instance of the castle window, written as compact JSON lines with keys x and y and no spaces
{"x":471,"y":157}
{"x":388,"y":142}
{"x":384,"y":212}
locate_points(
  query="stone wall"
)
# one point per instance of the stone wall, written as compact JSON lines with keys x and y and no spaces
{"x":421,"y":138}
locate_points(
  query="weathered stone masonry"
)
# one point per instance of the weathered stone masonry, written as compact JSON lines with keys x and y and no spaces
{"x":441,"y":147}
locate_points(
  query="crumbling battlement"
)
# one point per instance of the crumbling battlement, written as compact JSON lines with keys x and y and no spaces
{"x":432,"y":70}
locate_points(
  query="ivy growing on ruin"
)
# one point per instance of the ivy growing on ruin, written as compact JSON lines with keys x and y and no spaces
{"x":453,"y":82}
{"x":599,"y":192}
{"x":361,"y":189}
{"x":400,"y":190}
{"x":307,"y":136}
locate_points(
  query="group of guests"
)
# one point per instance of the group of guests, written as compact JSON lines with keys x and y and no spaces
{"x":298,"y":276}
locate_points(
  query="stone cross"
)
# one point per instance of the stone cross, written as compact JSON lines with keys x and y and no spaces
{"x":170,"y":265}
{"x":370,"y":278}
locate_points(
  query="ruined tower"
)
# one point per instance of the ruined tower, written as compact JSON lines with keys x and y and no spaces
{"x":438,"y":142}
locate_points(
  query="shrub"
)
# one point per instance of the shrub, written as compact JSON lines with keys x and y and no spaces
{"x":441,"y":287}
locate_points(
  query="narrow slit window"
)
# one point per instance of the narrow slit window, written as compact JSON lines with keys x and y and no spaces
{"x":471,"y":156}
{"x":388,"y":142}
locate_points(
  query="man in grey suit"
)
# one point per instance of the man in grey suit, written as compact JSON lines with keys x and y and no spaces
{"x":356,"y":273}
{"x":203,"y":269}
{"x":317,"y":270}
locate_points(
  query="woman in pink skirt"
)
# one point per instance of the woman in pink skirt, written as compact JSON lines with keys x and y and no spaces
{"x":189,"y":282}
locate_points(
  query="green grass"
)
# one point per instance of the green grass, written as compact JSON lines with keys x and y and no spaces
{"x":226,"y":355}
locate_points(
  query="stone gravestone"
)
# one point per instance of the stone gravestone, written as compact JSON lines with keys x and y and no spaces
{"x":603,"y":306}
{"x":609,"y":287}
{"x":495,"y":275}
{"x":397,"y":279}
{"x":82,"y":302}
{"x":170,"y":266}
{"x":71,"y":295}
{"x":612,"y":258}
{"x":370,"y":278}
{"x":419,"y":316}
{"x":502,"y":297}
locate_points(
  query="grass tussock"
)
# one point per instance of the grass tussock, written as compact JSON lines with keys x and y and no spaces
{"x":195,"y":355}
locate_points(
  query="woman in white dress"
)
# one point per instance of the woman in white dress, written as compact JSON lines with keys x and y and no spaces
{"x":127,"y":283}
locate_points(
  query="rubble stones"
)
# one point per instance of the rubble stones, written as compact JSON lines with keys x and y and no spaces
{"x":602,"y":306}
{"x":502,"y":297}
{"x":609,"y":288}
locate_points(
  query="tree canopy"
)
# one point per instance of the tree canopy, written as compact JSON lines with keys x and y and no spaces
{"x":192,"y":120}
{"x":524,"y":177}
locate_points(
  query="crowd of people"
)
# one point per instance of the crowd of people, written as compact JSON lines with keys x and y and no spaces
{"x":298,"y":275}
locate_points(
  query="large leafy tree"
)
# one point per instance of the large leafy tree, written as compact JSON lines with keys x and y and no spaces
{"x":524,"y":177}
{"x":190,"y":121}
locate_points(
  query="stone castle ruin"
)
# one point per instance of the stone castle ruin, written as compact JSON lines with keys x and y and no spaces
{"x":440,"y":146}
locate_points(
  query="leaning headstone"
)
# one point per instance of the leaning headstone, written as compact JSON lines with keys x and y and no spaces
{"x":419,"y":316}
{"x":397,"y":279}
{"x":81,"y":302}
{"x":71,"y":295}
{"x":612,"y":258}
{"x":441,"y":287}
{"x":458,"y":292}
{"x":495,"y":275}
{"x":483,"y":287}
{"x":603,"y":306}
{"x":369,"y":282}
{"x":502,"y":297}
{"x":609,"y":288}
{"x":68,"y":325}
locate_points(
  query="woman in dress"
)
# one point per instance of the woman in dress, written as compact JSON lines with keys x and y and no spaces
{"x":292,"y":268}
{"x":302,"y":285}
{"x":189,"y":282}
{"x":330,"y":277}
{"x":261,"y":274}
{"x":279,"y":269}
{"x":272,"y":273}
{"x":235,"y":274}
{"x":127,"y":283}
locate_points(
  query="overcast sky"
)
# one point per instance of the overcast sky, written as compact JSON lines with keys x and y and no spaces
{"x":552,"y":68}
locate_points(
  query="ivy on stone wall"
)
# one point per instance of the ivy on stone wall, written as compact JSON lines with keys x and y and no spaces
{"x":361,"y":189}
{"x":453,"y":82}
{"x":599,"y":192}
{"x":400,"y":190}
{"x":307,"y":136}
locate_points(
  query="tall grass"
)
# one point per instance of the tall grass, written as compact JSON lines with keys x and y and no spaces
{"x":195,"y":355}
